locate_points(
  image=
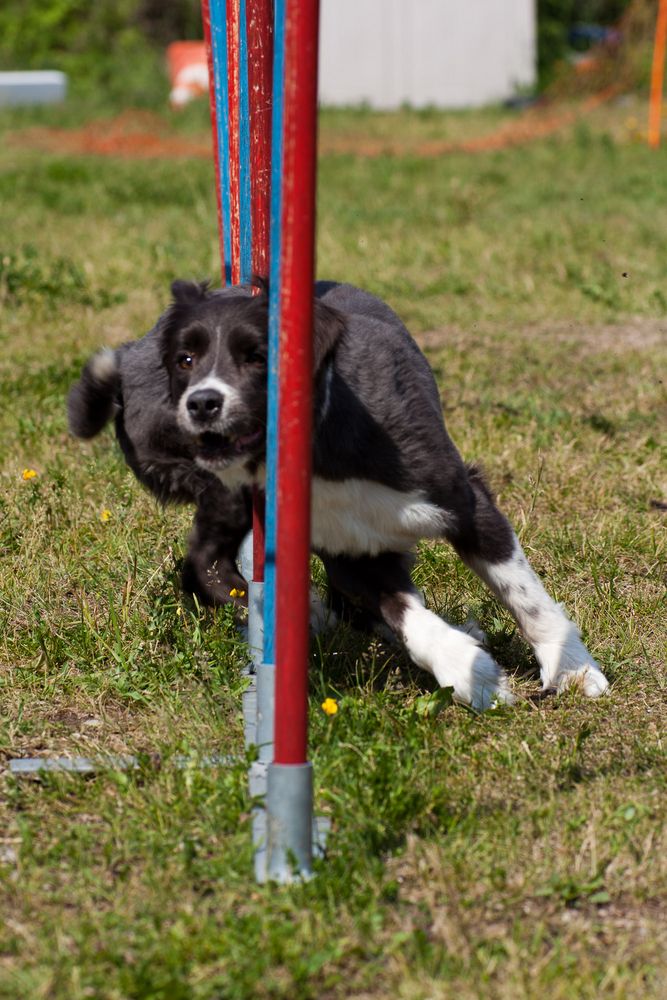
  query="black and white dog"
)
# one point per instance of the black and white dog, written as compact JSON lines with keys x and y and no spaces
{"x":385,"y":473}
{"x":130,"y":386}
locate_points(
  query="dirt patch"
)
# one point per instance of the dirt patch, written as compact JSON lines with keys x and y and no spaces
{"x":92,"y":728}
{"x":144,"y":135}
{"x":534,"y":123}
{"x":132,"y":135}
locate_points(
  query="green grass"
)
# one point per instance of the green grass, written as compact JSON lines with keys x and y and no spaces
{"x":517,"y":854}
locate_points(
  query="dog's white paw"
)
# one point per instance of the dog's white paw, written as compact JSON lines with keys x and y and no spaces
{"x":477,"y":679}
{"x":454,"y":658}
{"x":566,"y":662}
{"x":588,"y":677}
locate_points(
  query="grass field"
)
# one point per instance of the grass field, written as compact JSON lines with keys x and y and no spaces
{"x":521,"y":853}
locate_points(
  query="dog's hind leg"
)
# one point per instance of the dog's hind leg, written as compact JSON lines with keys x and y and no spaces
{"x":489,"y":546}
{"x":382,"y":586}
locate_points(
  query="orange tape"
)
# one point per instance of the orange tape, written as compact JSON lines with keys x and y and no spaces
{"x":657,"y":73}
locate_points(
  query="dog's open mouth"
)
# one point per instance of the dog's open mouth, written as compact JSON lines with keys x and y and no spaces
{"x":221,"y":449}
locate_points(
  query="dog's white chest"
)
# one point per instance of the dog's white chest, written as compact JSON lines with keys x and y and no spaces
{"x":359,"y":517}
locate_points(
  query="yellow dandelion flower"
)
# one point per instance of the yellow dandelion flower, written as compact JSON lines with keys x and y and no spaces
{"x":236,"y":593}
{"x":330,"y":706}
{"x":29,"y":474}
{"x":105,"y":515}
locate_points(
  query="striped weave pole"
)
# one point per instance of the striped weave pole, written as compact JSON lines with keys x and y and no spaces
{"x":239,"y":35}
{"x":289,"y":434}
{"x":239,"y":41}
{"x":214,"y":16}
{"x":259,"y":26}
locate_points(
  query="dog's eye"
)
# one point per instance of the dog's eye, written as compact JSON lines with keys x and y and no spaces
{"x":185,"y":361}
{"x":253,"y":357}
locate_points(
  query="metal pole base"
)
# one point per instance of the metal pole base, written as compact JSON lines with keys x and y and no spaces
{"x":266,"y":684}
{"x":256,"y":623}
{"x":289,"y":822}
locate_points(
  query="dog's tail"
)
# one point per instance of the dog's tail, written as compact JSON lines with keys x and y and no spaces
{"x":92,"y":400}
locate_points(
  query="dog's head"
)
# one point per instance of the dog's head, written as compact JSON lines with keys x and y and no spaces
{"x":215,"y":350}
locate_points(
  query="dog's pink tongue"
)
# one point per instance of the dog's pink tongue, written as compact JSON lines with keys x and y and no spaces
{"x":246,"y":439}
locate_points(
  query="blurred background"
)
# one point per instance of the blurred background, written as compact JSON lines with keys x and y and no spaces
{"x":434,"y":52}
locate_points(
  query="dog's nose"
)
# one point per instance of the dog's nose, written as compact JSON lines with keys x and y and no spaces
{"x":204,"y":405}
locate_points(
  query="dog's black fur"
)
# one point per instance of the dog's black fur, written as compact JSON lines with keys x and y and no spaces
{"x":385,"y":472}
{"x":383,"y":419}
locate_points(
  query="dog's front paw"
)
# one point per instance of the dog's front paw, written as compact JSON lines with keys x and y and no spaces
{"x":486,"y":685}
{"x":589,"y":678}
{"x":454,"y":658}
{"x":566,"y":663}
{"x":214,"y":585}
{"x":477,"y":679}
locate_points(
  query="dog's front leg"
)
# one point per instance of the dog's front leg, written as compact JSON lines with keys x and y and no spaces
{"x":210,"y":571}
{"x":382,"y":586}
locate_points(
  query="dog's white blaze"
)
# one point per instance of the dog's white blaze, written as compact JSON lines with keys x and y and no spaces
{"x":453,"y":657}
{"x":231,"y":400}
{"x":562,"y":656}
{"x":360,"y":517}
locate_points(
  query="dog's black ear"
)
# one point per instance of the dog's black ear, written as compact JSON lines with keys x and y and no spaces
{"x":262,"y":282}
{"x":328,"y":323}
{"x":188,"y":293}
{"x":328,"y":327}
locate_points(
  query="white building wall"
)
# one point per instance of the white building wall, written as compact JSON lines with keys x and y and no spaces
{"x":447,"y":53}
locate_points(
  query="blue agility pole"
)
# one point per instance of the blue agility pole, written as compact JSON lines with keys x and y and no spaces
{"x":214,"y":17}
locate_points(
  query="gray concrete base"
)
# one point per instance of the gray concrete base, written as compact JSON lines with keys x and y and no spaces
{"x":256,"y":622}
{"x":281,"y":869}
{"x":266,"y":684}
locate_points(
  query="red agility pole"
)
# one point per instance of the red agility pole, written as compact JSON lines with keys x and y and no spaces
{"x":296,"y":381}
{"x":289,"y":799}
{"x":259,"y":20}
{"x":259,"y":26}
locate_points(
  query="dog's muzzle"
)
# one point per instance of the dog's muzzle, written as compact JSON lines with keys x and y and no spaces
{"x":204,"y":406}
